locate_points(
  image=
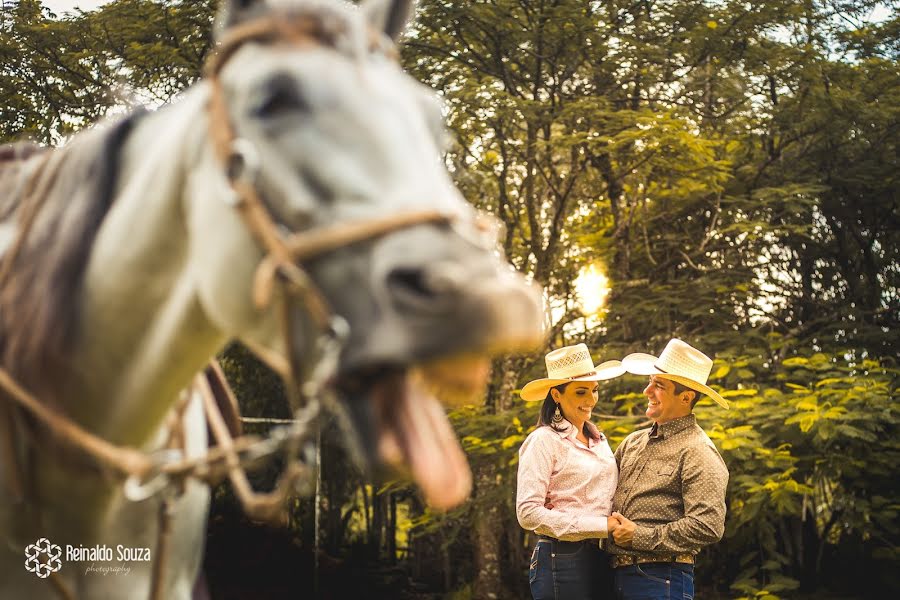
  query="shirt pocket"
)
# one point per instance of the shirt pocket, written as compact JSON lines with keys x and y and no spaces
{"x":627,"y":464}
{"x":663,"y":469}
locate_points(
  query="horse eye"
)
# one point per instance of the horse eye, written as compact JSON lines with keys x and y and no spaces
{"x":283,"y":97}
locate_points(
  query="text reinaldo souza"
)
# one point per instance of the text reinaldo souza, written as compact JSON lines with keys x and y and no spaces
{"x":102,"y":552}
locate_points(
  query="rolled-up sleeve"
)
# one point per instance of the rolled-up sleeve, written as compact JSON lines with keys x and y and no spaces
{"x":704,"y":480}
{"x":536,"y":467}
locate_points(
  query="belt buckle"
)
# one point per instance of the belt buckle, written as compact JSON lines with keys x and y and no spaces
{"x":624,"y":560}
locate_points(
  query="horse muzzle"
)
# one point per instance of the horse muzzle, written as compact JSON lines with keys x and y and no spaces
{"x":430,"y":344}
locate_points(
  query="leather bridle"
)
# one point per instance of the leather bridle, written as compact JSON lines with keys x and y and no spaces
{"x":166,"y":471}
{"x":240,"y":161}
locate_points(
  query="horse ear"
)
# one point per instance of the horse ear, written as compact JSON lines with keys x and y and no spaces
{"x":389,"y":16}
{"x":232,"y":12}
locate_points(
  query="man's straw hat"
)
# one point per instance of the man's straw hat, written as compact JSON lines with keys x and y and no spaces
{"x":679,"y":362}
{"x":567,"y":364}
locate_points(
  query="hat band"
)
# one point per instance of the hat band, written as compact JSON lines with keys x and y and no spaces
{"x":582,"y":375}
{"x":656,"y":366}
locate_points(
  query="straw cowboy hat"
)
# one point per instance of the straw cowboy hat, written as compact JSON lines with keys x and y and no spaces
{"x":567,"y":364}
{"x":679,"y":362}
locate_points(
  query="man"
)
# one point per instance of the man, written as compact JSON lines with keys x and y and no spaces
{"x":671,"y":480}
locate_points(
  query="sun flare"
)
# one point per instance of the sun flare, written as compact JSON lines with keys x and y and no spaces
{"x":592,"y":288}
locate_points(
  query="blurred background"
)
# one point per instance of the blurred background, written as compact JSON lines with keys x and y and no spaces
{"x":725,"y":172}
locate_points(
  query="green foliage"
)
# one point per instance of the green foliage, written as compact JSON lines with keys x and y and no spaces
{"x":733,"y":169}
{"x":800,"y":450}
{"x":60,"y":74}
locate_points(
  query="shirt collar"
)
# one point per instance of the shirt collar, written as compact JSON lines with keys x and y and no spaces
{"x":670,"y":428}
{"x":564,"y":428}
{"x":569,"y":432}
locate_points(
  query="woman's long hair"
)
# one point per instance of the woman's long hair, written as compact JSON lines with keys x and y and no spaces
{"x":545,"y":417}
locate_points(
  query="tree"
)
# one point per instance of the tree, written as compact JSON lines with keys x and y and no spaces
{"x":58,"y":75}
{"x":730,"y":166}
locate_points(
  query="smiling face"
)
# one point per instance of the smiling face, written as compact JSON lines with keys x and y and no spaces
{"x":577,"y":401}
{"x":663,"y":404}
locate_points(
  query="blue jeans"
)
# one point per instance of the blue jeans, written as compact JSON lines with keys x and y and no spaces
{"x":655,"y":581}
{"x":569,"y":571}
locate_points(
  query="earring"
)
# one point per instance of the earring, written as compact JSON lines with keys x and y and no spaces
{"x":557,"y":416}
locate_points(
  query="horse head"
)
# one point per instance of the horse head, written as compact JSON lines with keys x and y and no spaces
{"x":323,"y":125}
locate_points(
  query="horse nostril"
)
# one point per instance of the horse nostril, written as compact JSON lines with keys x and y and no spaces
{"x":432,"y":289}
{"x":435,"y":287}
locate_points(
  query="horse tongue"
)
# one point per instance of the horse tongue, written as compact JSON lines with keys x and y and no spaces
{"x":415,"y":432}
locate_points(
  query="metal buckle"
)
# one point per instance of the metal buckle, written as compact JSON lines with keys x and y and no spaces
{"x":243,"y":161}
{"x":138,"y":489}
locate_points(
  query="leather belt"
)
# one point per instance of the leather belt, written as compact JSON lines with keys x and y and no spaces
{"x":561,"y":547}
{"x":625,"y":560}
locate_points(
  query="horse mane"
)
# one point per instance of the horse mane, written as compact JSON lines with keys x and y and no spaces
{"x":57,"y":208}
{"x":13,"y":161}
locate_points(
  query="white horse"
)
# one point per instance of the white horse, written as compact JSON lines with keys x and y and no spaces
{"x":128,"y":265}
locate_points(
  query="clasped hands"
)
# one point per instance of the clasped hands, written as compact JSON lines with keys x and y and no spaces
{"x":620,"y":529}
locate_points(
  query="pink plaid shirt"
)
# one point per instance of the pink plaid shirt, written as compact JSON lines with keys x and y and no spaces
{"x":578,"y":481}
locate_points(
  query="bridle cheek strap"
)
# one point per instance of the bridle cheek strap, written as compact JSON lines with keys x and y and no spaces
{"x":284,"y":254}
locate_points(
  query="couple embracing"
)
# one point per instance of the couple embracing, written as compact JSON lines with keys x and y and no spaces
{"x":626,"y":525}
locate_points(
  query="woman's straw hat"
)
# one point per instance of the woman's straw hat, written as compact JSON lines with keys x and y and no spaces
{"x":679,"y":362}
{"x":567,"y":364}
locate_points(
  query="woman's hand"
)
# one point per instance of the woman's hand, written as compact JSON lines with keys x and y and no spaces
{"x":612,"y":523}
{"x":624,"y":531}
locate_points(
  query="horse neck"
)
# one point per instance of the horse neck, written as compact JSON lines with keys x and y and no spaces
{"x":143,"y":332}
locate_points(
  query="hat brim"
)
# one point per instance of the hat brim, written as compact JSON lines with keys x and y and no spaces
{"x":644,"y":364}
{"x":537,"y":389}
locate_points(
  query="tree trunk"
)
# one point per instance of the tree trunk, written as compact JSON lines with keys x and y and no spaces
{"x":446,"y":564}
{"x":487,"y":534}
{"x":317,"y":515}
{"x":367,"y":515}
{"x":621,"y":267}
{"x":376,"y":533}
{"x":506,"y":374}
{"x":391,"y":535}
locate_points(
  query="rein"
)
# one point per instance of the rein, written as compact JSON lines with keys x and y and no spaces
{"x":165,"y":472}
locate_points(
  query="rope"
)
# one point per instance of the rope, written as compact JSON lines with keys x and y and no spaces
{"x":130,"y":462}
{"x":268,"y":421}
{"x":148,"y":474}
{"x":124,"y":460}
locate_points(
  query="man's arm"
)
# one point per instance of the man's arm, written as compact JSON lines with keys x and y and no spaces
{"x":704,"y":479}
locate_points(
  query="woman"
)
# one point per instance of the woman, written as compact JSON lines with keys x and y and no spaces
{"x":567,"y":477}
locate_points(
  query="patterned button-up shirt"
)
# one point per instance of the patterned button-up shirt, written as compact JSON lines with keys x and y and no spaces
{"x":672,"y":485}
{"x":578,"y":481}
